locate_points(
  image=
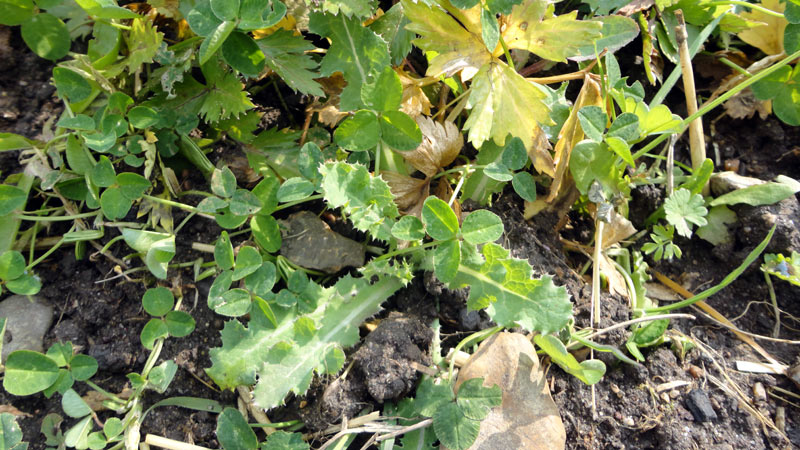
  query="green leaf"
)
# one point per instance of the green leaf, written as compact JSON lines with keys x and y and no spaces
{"x":355,"y":50}
{"x":132,"y":185}
{"x":514,"y":154}
{"x":308,"y":161}
{"x":593,"y":122}
{"x":266,"y":233}
{"x":225,"y":98}
{"x":73,"y":405}
{"x":214,"y":41}
{"x":285,"y":54}
{"x":453,"y":428}
{"x":211,"y":205}
{"x":284,"y":364}
{"x":11,"y":198}
{"x":716,"y":231}
{"x":247,"y":261}
{"x":359,"y":132}
{"x":621,"y":148}
{"x":282,"y":440}
{"x":482,"y":226}
{"x":179,"y":323}
{"x":77,"y":156}
{"x":13,"y":13}
{"x":233,"y":432}
{"x":82,"y":367}
{"x":791,"y":38}
{"x":153,"y":330}
{"x":440,"y":221}
{"x":47,"y":36}
{"x":100,"y":142}
{"x":142,"y":117}
{"x":71,"y":85}
{"x":267,"y":192}
{"x":760,"y":194}
{"x":223,"y":182}
{"x":11,"y":433}
{"x":225,"y":9}
{"x":26,"y":284}
{"x":113,"y":427}
{"x":446,"y":258}
{"x":503,"y":285}
{"x":399,"y":131}
{"x":255,"y":14}
{"x":202,"y":19}
{"x":524,"y":185}
{"x":649,"y":334}
{"x":77,"y":436}
{"x":143,"y":43}
{"x":625,"y":127}
{"x":391,"y":27}
{"x":243,"y":54}
{"x":102,"y":174}
{"x":589,"y":371}
{"x":408,"y":228}
{"x":590,"y":161}
{"x":11,"y":141}
{"x":104,"y":47}
{"x":28,"y":372}
{"x":80,"y":122}
{"x":295,"y":189}
{"x":115,"y":205}
{"x":490,"y":30}
{"x":682,"y":208}
{"x":385,"y":93}
{"x":431,"y":396}
{"x":223,"y":252}
{"x":365,"y":199}
{"x":161,"y":376}
{"x":261,"y":281}
{"x":554,"y":38}
{"x":244,"y":203}
{"x":159,"y":248}
{"x":232,"y":303}
{"x":476,"y":401}
{"x":12,"y":265}
{"x":158,"y":301}
{"x":617,"y":31}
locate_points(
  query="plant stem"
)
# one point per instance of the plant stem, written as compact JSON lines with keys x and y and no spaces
{"x":507,"y":53}
{"x":776,"y":330}
{"x":407,"y":250}
{"x":697,"y":143}
{"x":473,"y":338}
{"x":56,"y":218}
{"x":297,"y":202}
{"x":178,"y":205}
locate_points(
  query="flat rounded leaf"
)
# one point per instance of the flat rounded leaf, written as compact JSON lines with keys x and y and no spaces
{"x":267,"y":192}
{"x":223,"y":182}
{"x":78,"y":434}
{"x":621,"y":148}
{"x":225,"y":9}
{"x":476,"y":401}
{"x":102,"y":174}
{"x":266,"y":233}
{"x":179,"y":323}
{"x":233,"y":303}
{"x":115,"y":123}
{"x":243,"y":54}
{"x":455,"y":430}
{"x":15,"y":12}
{"x":12,"y":433}
{"x":294,"y":189}
{"x":617,"y":32}
{"x":82,"y":367}
{"x":142,"y":117}
{"x":280,"y":440}
{"x":308,"y":161}
{"x":446,"y":259}
{"x":524,"y":185}
{"x":255,"y":14}
{"x":482,"y":226}
{"x":113,"y":427}
{"x":115,"y":206}
{"x":47,"y":36}
{"x":262,"y":280}
{"x":625,"y":127}
{"x":25,"y":284}
{"x":408,"y":228}
{"x":100,"y":142}
{"x":498,"y":171}
{"x":233,"y":432}
{"x":223,"y":251}
{"x":791,"y":38}
{"x":244,"y":203}
{"x":80,"y":122}
{"x":132,"y":185}
{"x":11,"y":198}
{"x":226,"y":219}
{"x":158,"y":301}
{"x":202,"y":19}
{"x":359,"y":132}
{"x":73,"y":405}
{"x":12,"y":265}
{"x":210,"y":205}
{"x":440,"y":221}
{"x":71,"y":85}
{"x":514,"y":154}
{"x":153,"y":330}
{"x":104,"y":48}
{"x":593,"y":122}
{"x":400,"y":131}
{"x":247,"y":261}
{"x":385,"y":94}
{"x":28,"y":372}
{"x":490,"y":30}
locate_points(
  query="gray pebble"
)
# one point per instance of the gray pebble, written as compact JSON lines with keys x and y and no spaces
{"x":28,"y":319}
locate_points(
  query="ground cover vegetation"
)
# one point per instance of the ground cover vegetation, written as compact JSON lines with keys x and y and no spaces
{"x":418,"y":114}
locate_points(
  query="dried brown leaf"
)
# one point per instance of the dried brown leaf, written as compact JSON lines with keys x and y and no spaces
{"x":409,"y":193}
{"x":616,"y":283}
{"x":414,"y":102}
{"x":745,"y":104}
{"x":634,"y":7}
{"x":11,"y":409}
{"x":441,"y":143}
{"x":328,"y":111}
{"x":620,"y":228}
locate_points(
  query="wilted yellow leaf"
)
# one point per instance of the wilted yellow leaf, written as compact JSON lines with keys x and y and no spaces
{"x":440,"y":146}
{"x":503,"y":103}
{"x":531,"y":26}
{"x":768,"y":37}
{"x":571,"y":133}
{"x":414,"y":102}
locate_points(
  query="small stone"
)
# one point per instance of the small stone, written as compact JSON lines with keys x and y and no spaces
{"x":759,"y":392}
{"x":618,"y":415}
{"x":665,"y":397}
{"x":673,"y":394}
{"x":698,"y":403}
{"x":628,"y":421}
{"x":27,"y":322}
{"x":695,"y":372}
{"x":725,"y":182}
{"x":308,"y":242}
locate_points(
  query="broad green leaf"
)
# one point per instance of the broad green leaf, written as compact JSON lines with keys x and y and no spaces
{"x":502,"y":102}
{"x":261,"y":281}
{"x":73,"y":405}
{"x":649,"y":334}
{"x":82,"y":367}
{"x":158,"y":301}
{"x":223,"y":182}
{"x":365,"y":199}
{"x":132,"y":185}
{"x":211,"y":205}
{"x":28,"y":372}
{"x":214,"y":41}
{"x":161,"y":376}
{"x":359,"y":132}
{"x":400,"y":131}
{"x":232,"y":303}
{"x":295,"y":189}
{"x":791,"y":38}
{"x":153,"y":330}
{"x":267,"y":192}
{"x":476,"y":401}
{"x":233,"y":432}
{"x":266,"y":233}
{"x":682,"y":208}
{"x":78,"y":156}
{"x":12,"y":265}
{"x":657,"y":120}
{"x":10,"y":432}
{"x":431,"y":396}
{"x":247,"y":261}
{"x":225,"y":9}
{"x":453,"y":428}
{"x":113,"y":427}
{"x":100,"y":142}
{"x":13,"y":13}
{"x":47,"y":36}
{"x":143,"y":43}
{"x":255,"y":14}
{"x":440,"y":221}
{"x":408,"y":228}
{"x":26,"y":284}
{"x":760,"y":194}
{"x":71,"y":85}
{"x":283,"y":440}
{"x":77,"y":436}
{"x":617,"y":31}
{"x":115,"y":205}
{"x":717,"y":231}
{"x":308,"y":161}
{"x":244,"y":203}
{"x":355,"y":50}
{"x":479,"y":186}
{"x":179,"y":323}
{"x":593,"y":122}
{"x":782,"y":87}
{"x":514,"y":155}
{"x":498,"y":171}
{"x":490,"y":30}
{"x":503,"y":285}
{"x":446,"y":259}
{"x":159,"y":248}
{"x":104,"y":9}
{"x":243,"y":54}
{"x":80,"y":122}
{"x":104,"y":47}
{"x":481,"y":226}
{"x":621,"y":148}
{"x":285,"y":54}
{"x":392,"y":28}
{"x":524,"y":185}
{"x":385,"y":93}
{"x":11,"y":141}
{"x":589,"y":371}
{"x":201,"y":18}
{"x":143,"y":117}
{"x":590,"y":161}
{"x":102,"y":174}
{"x":223,"y":252}
{"x":554,"y":38}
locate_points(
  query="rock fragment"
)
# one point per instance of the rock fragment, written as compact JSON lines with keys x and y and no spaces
{"x":28,"y":319}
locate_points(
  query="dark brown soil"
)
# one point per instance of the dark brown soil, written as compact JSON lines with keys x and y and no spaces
{"x":625,"y":410}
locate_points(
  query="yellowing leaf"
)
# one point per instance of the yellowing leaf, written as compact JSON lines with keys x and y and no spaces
{"x":768,"y":37}
{"x":555,"y":38}
{"x":440,"y":146}
{"x":414,"y":102}
{"x":458,"y":48}
{"x":571,"y":133}
{"x":503,"y":103}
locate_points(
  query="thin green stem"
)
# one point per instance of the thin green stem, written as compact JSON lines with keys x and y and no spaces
{"x":507,"y":53}
{"x":753,"y":6}
{"x":164,"y":201}
{"x":56,"y":218}
{"x":735,"y":67}
{"x":110,"y":243}
{"x":194,"y":192}
{"x":47,"y":253}
{"x":472,"y":168}
{"x":275,"y":424}
{"x":407,"y":250}
{"x":473,"y":338}
{"x":298,"y":202}
{"x":776,"y":329}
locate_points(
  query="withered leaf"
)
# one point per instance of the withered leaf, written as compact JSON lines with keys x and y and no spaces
{"x":441,"y":144}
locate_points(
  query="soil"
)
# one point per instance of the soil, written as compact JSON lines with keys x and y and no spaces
{"x":101,"y":315}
